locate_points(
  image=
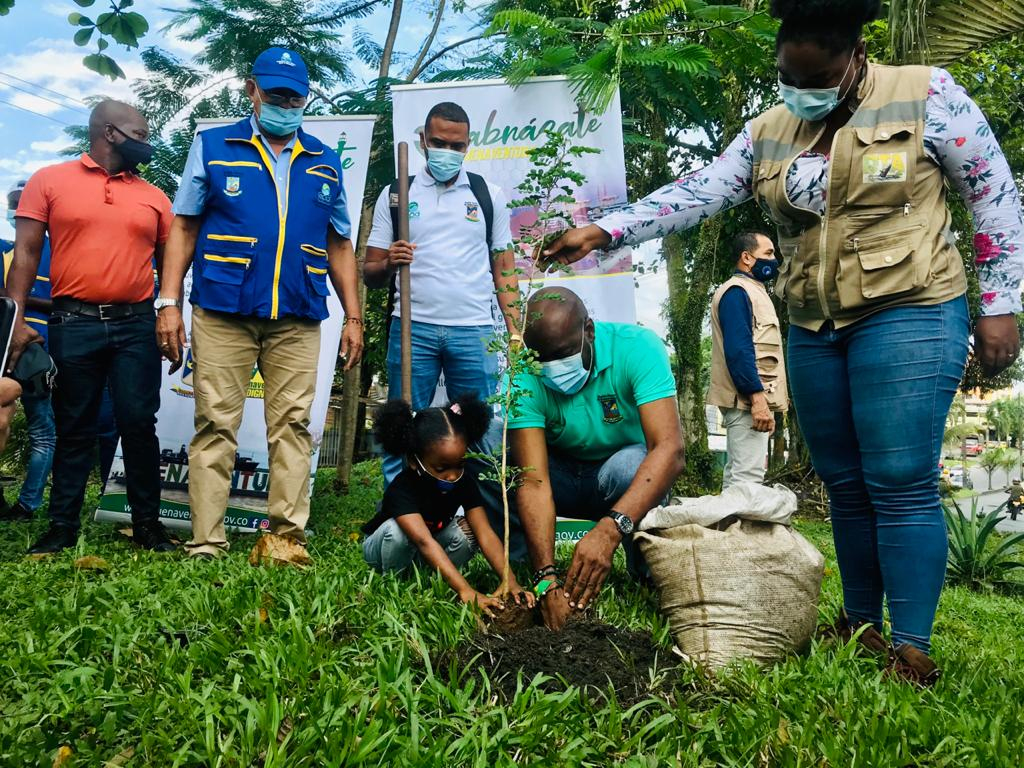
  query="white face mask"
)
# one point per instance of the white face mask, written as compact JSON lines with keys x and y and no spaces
{"x":814,"y":104}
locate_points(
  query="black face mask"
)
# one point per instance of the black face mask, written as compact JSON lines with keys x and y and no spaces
{"x":132,"y":151}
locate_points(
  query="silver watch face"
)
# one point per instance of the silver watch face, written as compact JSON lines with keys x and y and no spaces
{"x":625,"y":524}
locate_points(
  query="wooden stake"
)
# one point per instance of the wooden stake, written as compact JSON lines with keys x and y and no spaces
{"x":405,"y":308}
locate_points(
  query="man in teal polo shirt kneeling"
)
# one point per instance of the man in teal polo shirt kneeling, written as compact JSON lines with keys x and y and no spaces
{"x":599,"y":430}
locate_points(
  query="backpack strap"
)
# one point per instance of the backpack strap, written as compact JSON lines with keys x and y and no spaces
{"x":478,"y":185}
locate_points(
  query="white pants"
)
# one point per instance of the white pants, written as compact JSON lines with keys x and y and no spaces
{"x":746,"y":448}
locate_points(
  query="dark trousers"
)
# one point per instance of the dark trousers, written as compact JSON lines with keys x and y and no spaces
{"x":89,"y":352}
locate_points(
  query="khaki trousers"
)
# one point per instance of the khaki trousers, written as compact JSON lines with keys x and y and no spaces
{"x":225,"y":348}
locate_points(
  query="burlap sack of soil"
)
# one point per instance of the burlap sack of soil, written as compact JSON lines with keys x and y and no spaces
{"x":745,"y":589}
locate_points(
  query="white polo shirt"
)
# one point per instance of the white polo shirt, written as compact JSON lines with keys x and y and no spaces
{"x":451,"y":278}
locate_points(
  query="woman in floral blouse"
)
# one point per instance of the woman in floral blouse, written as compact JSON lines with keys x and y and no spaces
{"x":876,"y":292}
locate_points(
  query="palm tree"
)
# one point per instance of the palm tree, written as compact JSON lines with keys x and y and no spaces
{"x":941,"y":31}
{"x":991,"y":460}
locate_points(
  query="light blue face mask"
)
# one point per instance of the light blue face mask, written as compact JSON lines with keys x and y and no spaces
{"x":10,"y":216}
{"x":444,"y":164}
{"x":278,"y":121}
{"x":567,"y":375}
{"x":814,"y":104}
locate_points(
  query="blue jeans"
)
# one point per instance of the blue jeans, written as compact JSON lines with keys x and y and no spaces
{"x":584,"y":490}
{"x":389,"y":549}
{"x":42,"y":439}
{"x":872,"y":400}
{"x":459,"y":351}
{"x":106,"y":432}
{"x":89,"y":353}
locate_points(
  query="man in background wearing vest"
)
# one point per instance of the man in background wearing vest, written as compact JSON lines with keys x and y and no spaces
{"x":459,"y":231}
{"x":42,"y":433}
{"x":748,"y":375}
{"x":262,"y":218}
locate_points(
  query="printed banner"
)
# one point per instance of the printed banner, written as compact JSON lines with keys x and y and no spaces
{"x":247,"y":504}
{"x":506,"y":122}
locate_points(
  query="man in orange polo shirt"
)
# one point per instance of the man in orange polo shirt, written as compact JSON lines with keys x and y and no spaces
{"x":106,"y":225}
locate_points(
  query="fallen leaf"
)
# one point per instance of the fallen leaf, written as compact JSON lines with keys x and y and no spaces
{"x":92,"y":563}
{"x":126,"y":532}
{"x":63,"y":757}
{"x":121,"y":758}
{"x":284,"y":730}
{"x":264,"y":616}
{"x":353,"y":536}
{"x":272,"y":549}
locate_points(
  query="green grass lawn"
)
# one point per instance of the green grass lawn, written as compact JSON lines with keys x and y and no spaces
{"x":160,"y":661}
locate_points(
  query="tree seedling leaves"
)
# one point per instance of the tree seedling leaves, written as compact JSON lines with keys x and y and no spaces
{"x":84,"y":3}
{"x":83,"y":36}
{"x":5,"y":7}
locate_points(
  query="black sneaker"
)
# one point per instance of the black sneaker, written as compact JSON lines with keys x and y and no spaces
{"x":18,"y":513}
{"x":56,"y":539}
{"x":151,"y":535}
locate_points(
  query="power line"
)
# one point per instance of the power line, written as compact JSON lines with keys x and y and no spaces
{"x":60,"y":104}
{"x":32,"y":111}
{"x":43,"y":88}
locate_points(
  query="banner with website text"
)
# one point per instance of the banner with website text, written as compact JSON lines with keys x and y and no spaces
{"x":247,"y":504}
{"x":506,"y":122}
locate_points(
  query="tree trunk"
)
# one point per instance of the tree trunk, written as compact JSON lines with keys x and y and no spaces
{"x":353,"y":377}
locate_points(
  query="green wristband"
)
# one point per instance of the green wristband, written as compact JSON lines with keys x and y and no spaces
{"x":542,"y":587}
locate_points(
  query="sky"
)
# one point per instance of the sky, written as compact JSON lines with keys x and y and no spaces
{"x":43,"y":85}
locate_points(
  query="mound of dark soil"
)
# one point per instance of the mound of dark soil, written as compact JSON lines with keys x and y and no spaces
{"x":587,"y":654}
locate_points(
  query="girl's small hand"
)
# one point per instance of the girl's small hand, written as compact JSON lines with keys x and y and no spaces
{"x":522,"y":596}
{"x":489,"y":606}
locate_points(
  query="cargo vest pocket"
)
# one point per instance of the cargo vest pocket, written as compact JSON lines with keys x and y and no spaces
{"x":878,"y":266}
{"x":223,"y":276}
{"x":315,"y":262}
{"x":791,"y":283}
{"x":883,"y":165}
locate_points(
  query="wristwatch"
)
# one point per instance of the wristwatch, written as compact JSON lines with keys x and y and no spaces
{"x":160,"y":302}
{"x":623,"y":523}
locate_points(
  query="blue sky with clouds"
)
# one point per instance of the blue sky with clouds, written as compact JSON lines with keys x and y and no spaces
{"x":43,"y":84}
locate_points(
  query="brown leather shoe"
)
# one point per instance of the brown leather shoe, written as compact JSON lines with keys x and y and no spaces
{"x":844,"y":630}
{"x":912,"y":665}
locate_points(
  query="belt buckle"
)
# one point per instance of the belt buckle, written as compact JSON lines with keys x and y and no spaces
{"x":103,"y":311}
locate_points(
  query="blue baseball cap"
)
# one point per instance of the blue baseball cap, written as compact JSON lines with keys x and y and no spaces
{"x":281,"y":68}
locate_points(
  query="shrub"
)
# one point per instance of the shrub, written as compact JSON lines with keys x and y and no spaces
{"x":979,"y":557}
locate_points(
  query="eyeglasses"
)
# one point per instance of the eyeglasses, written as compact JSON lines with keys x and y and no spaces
{"x":277,"y":100}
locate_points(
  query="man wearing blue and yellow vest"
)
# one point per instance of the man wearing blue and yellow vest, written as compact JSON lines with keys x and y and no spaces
{"x":262,"y":218}
{"x":42,"y":433}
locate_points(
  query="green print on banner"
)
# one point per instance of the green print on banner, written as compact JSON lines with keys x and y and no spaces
{"x":342,"y":148}
{"x":531,"y":131}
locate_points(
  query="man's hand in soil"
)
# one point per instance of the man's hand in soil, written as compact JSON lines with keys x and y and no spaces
{"x":519,"y":595}
{"x":591,"y":562}
{"x":555,"y":609}
{"x":489,"y":606}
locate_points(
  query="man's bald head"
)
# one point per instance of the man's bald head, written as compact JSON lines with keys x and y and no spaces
{"x":556,"y":323}
{"x":122,"y":116}
{"x":111,"y":124}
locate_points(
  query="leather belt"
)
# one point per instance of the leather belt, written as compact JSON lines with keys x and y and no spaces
{"x":102,"y":311}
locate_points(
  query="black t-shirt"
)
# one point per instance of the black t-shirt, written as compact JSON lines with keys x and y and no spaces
{"x":412,"y":493}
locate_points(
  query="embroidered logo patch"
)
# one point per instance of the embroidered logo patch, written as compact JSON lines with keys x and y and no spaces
{"x":233,"y":186}
{"x":609,"y":409}
{"x":885,"y":168}
{"x":325,"y":194}
{"x":414,"y":210}
{"x":472,"y":212}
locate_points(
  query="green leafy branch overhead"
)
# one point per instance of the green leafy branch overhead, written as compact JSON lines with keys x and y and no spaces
{"x":597,"y":49}
{"x":119,"y":24}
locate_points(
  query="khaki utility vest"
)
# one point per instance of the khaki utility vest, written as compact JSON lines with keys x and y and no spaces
{"x":885,"y":239}
{"x":767,"y":350}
